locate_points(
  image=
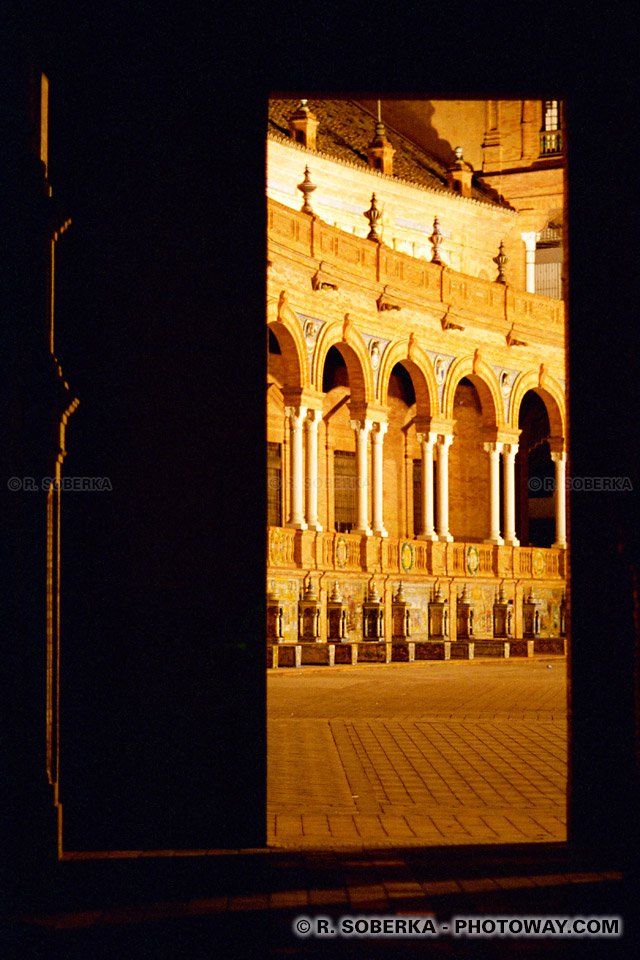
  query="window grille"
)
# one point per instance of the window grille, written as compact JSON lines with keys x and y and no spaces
{"x":344,"y":484}
{"x":550,"y":135}
{"x":548,"y":277}
{"x":549,"y":280}
{"x":274,"y":484}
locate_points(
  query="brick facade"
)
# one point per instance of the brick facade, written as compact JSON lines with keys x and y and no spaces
{"x":376,"y":351}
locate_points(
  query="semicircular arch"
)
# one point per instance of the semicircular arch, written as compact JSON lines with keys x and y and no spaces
{"x":282,"y":321}
{"x":422,"y":376}
{"x":486,"y":383}
{"x":551,"y":394}
{"x":356,"y":356}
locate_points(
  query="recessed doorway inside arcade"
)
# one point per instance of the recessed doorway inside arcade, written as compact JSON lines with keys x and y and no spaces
{"x":401,"y":708}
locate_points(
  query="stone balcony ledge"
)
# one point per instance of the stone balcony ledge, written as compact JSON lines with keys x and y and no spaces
{"x":410,"y":559}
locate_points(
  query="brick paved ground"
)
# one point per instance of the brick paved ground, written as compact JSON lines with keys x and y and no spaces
{"x":367,"y":764}
{"x":417,"y":754}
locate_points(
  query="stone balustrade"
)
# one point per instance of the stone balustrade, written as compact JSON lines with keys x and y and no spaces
{"x":309,"y":550}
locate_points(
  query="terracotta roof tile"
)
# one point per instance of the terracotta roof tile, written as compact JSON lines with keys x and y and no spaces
{"x":345,"y":130}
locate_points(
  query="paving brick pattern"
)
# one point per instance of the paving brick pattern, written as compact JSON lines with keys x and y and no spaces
{"x":418,"y":754}
{"x":405,"y":789}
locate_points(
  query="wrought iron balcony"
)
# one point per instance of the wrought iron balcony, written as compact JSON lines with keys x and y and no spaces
{"x":550,"y":143}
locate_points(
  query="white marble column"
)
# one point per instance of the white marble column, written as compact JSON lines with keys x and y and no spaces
{"x":560,"y":460}
{"x":427,"y":441}
{"x":296,"y":419}
{"x":362,"y":429}
{"x":530,"y":248}
{"x":311,"y":480}
{"x":509,"y":451}
{"x":494,"y":450}
{"x":377,"y":440}
{"x":442,"y":448}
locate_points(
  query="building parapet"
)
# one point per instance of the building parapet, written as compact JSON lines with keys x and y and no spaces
{"x":376,"y":263}
{"x":307,"y":550}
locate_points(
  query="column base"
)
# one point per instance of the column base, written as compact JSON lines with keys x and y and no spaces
{"x":317,"y":527}
{"x":380,"y":533}
{"x":495,"y":541}
{"x":513,"y":542}
{"x":297,"y":525}
{"x":366,"y":532}
{"x":559,"y":545}
{"x":428,"y":536}
{"x":445,"y":538}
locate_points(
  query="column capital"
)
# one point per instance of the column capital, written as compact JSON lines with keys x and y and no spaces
{"x":558,"y":456}
{"x":493,"y":447}
{"x":445,"y":440}
{"x":427,"y":437}
{"x":379,"y":430}
{"x":557,"y":445}
{"x":509,"y":450}
{"x":361,"y":426}
{"x":296,"y":413}
{"x":314,"y":417}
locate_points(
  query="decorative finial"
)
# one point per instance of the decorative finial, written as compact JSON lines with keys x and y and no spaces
{"x":309,"y":593}
{"x":400,"y":597}
{"x":306,"y":188}
{"x":336,"y":596}
{"x":464,"y":596}
{"x":436,"y":239}
{"x":501,"y":261}
{"x":374,"y":216}
{"x":458,"y":153}
{"x":373,"y":593}
{"x":381,"y":133}
{"x":502,"y":596}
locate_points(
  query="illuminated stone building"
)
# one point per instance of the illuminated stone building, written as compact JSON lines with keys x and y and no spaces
{"x":416,"y":411}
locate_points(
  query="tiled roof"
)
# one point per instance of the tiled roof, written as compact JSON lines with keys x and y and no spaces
{"x":345,"y":130}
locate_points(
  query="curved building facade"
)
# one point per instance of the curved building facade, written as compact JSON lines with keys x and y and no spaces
{"x":416,"y":412}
